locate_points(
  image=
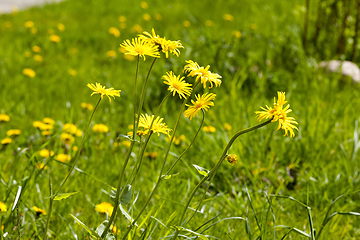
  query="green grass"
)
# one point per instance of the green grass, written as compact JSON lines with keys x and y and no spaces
{"x":254,"y":67}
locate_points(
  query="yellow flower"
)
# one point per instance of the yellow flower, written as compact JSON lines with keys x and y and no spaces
{"x":147,"y":17}
{"x":236,"y":33}
{"x":72,"y":72}
{"x":70,"y":128}
{"x":227,"y":127}
{"x":144,"y":5}
{"x":3,"y":207}
{"x":87,"y":106}
{"x":186,"y":23}
{"x":33,"y":30}
{"x":209,"y":23}
{"x":41,"y":166}
{"x":39,"y":210}
{"x":38,"y":58}
{"x":202,"y":102}
{"x":36,"y":49}
{"x":42,"y":126}
{"x":111,"y":54}
{"x":122,"y":19}
{"x":164,"y":45}
{"x":29,"y":24}
{"x":151,"y":155}
{"x":54,"y":38}
{"x":100,"y":128}
{"x":140,"y":47}
{"x":178,"y":140}
{"x":209,"y":129}
{"x":13,"y":132}
{"x":137,"y":28}
{"x":29,"y":72}
{"x":6,"y":141}
{"x":232,"y":159}
{"x":202,"y":73}
{"x":67,"y":138}
{"x":278,"y":113}
{"x":61,"y":27}
{"x":46,"y":133}
{"x":114,"y":31}
{"x":4,"y":117}
{"x":104,"y":207}
{"x":228,"y":17}
{"x":158,"y":16}
{"x":177,"y":84}
{"x":98,"y":89}
{"x":157,"y":127}
{"x":46,"y":153}
{"x":62,"y":157}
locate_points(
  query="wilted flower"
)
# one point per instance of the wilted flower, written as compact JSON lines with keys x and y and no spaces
{"x":232,"y":159}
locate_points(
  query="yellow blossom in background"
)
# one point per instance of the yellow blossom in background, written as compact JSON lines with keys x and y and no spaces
{"x":13,"y":132}
{"x":98,"y":89}
{"x":38,"y":58}
{"x":113,"y":230}
{"x":114,"y":31}
{"x":14,"y":9}
{"x":74,"y":51}
{"x":151,"y":155}
{"x":67,"y":138}
{"x":33,"y":30}
{"x":3,"y":207}
{"x":236,"y":33}
{"x":39,"y":210}
{"x":75,"y":148}
{"x":46,"y":133}
{"x":70,"y":128}
{"x":193,"y":69}
{"x":46,"y":153}
{"x":147,"y":17}
{"x":177,"y":85}
{"x":278,"y":113}
{"x":122,"y":19}
{"x":227,"y":127}
{"x":36,"y":49}
{"x":6,"y":141}
{"x":100,"y":128}
{"x":178,"y":140}
{"x":253,"y":26}
{"x":49,"y":121}
{"x":51,"y":31}
{"x":27,"y":54}
{"x":164,"y":45}
{"x":144,"y":5}
{"x":40,"y":166}
{"x":4,"y":117}
{"x":87,"y":106}
{"x":209,"y":129}
{"x":54,"y":38}
{"x":29,"y":72}
{"x":63,"y":157}
{"x":122,"y":25}
{"x":209,"y":23}
{"x":186,"y":23}
{"x":111,"y":54}
{"x":140,"y":47}
{"x":157,"y":127}
{"x":29,"y":24}
{"x":137,"y":28}
{"x":125,"y":143}
{"x":8,"y":24}
{"x":228,"y":17}
{"x":232,"y":159}
{"x":104,"y":207}
{"x":42,"y":126}
{"x":157,"y":16}
{"x":61,"y":26}
{"x":72,"y":72}
{"x":129,"y":57}
{"x":202,"y":102}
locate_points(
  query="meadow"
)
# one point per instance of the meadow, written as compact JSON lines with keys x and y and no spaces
{"x":282,"y":187}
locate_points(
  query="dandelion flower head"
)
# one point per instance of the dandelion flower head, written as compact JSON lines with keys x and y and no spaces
{"x":4,"y":117}
{"x":3,"y":207}
{"x":194,"y":70}
{"x":39,"y":210}
{"x":104,"y":207}
{"x":157,"y":124}
{"x":140,"y":47}
{"x":177,"y":84}
{"x":202,"y":102}
{"x":98,"y":89}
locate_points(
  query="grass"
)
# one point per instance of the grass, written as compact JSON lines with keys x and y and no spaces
{"x":253,"y":198}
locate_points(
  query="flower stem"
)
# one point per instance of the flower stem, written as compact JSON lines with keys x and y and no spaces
{"x":214,"y":170}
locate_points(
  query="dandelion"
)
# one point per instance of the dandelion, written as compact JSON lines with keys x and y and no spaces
{"x":111,"y":54}
{"x":49,"y":121}
{"x":232,"y":159}
{"x":177,"y":84}
{"x":151,"y":155}
{"x":186,"y":23}
{"x":144,"y":5}
{"x":137,"y":28}
{"x":54,"y":38}
{"x":6,"y":141}
{"x":61,"y":26}
{"x":39,"y":211}
{"x":227,"y":127}
{"x":98,"y":89}
{"x":209,"y":129}
{"x":278,"y":113}
{"x":140,"y":47}
{"x":36,"y":49}
{"x":178,"y":140}
{"x":87,"y":106}
{"x":29,"y":72}
{"x":157,"y":16}
{"x":29,"y":24}
{"x":164,"y":45}
{"x":104,"y":207}
{"x":114,"y":31}
{"x":122,"y":25}
{"x":70,"y":128}
{"x":228,"y":17}
{"x":4,"y":117}
{"x":100,"y":128}
{"x":157,"y":127}
{"x":122,"y":19}
{"x":3,"y":207}
{"x":72,"y":72}
{"x":202,"y":102}
{"x":209,"y":23}
{"x":67,"y":138}
{"x":62,"y":157}
{"x":42,"y":126}
{"x":40,"y":166}
{"x":38,"y":58}
{"x":13,"y":132}
{"x":236,"y":33}
{"x":202,"y":73}
{"x":46,"y":133}
{"x":46,"y":153}
{"x":147,"y":17}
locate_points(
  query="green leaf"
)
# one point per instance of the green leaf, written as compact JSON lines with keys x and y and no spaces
{"x":126,"y":196}
{"x":123,"y":211}
{"x":89,"y":230}
{"x":167,"y":177}
{"x":62,"y":196}
{"x":201,"y":170}
{"x":201,"y":236}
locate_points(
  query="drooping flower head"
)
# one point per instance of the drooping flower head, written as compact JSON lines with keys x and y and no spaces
{"x":140,"y":47}
{"x":202,"y":102}
{"x":278,"y":113}
{"x":164,"y":45}
{"x":202,"y":73}
{"x":177,"y":84}
{"x":157,"y":127}
{"x":98,"y":89}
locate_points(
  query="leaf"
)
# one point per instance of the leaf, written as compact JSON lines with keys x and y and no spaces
{"x":100,"y":229}
{"x":17,"y":198}
{"x":123,"y":211}
{"x":201,"y":170}
{"x":201,"y":236}
{"x":167,"y":177}
{"x":127,"y":137}
{"x":126,"y":196}
{"x":62,"y":196}
{"x":90,"y":231}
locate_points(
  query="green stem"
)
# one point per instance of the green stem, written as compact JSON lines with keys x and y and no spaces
{"x":214,"y":170}
{"x":50,"y":209}
{"x":116,"y":203}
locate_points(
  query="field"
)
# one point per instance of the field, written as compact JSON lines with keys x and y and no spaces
{"x":282,"y":187}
